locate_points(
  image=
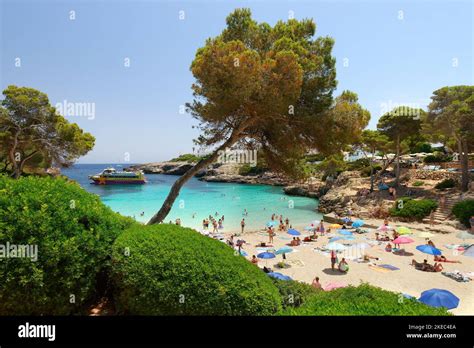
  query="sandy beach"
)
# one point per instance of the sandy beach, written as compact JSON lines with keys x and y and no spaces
{"x":307,"y":263}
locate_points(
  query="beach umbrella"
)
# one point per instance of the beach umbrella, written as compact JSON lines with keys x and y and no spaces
{"x":293,"y":232}
{"x":428,"y":249}
{"x":439,"y":298}
{"x":402,"y":240}
{"x":283,"y":250}
{"x":335,"y":246}
{"x":358,"y":223}
{"x":333,"y":239}
{"x":426,"y":235}
{"x":344,"y":232}
{"x":279,"y":276}
{"x":361,"y":245}
{"x":266,"y":255}
{"x":403,"y":230}
{"x":335,"y":226}
{"x":465,"y":235}
{"x":469,"y":251}
{"x":334,"y":285}
{"x":272,"y":223}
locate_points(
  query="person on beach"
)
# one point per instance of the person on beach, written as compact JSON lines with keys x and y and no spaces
{"x":321,"y":227}
{"x":430,"y":242}
{"x":270,"y":235}
{"x":388,"y":248}
{"x":333,"y":259}
{"x":442,"y":258}
{"x":343,"y":266}
{"x":287,"y":223}
{"x":214,"y":226}
{"x":254,"y":260}
{"x":242,"y":225}
{"x":316,"y":284}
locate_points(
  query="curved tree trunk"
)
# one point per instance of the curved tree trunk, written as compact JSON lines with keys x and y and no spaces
{"x":464,"y":159}
{"x":178,"y":184}
{"x":397,"y":167}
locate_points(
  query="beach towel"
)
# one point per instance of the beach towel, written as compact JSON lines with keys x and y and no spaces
{"x":379,"y":269}
{"x":457,"y":276}
{"x":390,"y":267}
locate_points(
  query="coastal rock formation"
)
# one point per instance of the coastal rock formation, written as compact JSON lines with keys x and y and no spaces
{"x":169,"y":168}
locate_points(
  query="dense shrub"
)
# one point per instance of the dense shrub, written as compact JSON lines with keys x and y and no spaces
{"x":446,"y":183}
{"x":463,"y":211}
{"x":362,"y":300}
{"x":188,"y":157}
{"x":437,"y":158}
{"x":366,"y":171}
{"x":358,"y":164}
{"x":247,"y":169}
{"x":169,"y":270}
{"x":293,"y":293}
{"x":410,"y":208}
{"x":73,"y":232}
{"x":418,"y":183}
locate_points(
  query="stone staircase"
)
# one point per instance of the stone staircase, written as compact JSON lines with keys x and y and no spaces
{"x":443,"y":212}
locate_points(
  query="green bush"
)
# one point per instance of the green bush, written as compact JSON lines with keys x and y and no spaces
{"x":293,"y":293}
{"x":187,"y":157}
{"x":418,"y":183}
{"x":463,"y":211}
{"x":73,"y":232}
{"x":410,"y":208}
{"x":366,"y":171}
{"x":362,"y":300}
{"x":437,"y":158}
{"x":446,"y":183}
{"x":247,"y":169}
{"x":169,"y":270}
{"x":358,"y":164}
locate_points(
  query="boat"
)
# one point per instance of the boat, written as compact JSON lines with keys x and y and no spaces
{"x":110,"y":176}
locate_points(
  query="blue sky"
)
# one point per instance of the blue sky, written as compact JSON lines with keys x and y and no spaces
{"x":388,"y":52}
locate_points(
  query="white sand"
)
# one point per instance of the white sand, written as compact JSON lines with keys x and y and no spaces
{"x":407,"y":280}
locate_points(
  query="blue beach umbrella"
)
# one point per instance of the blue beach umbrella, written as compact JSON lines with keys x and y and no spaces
{"x":266,"y":255}
{"x":439,"y":298}
{"x":279,"y":276}
{"x":272,"y":223}
{"x":283,"y":250}
{"x":293,"y":232}
{"x":334,"y":239}
{"x":344,"y":232}
{"x":428,"y":249}
{"x":358,"y":223}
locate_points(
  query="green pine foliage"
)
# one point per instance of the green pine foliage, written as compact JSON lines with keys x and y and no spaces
{"x":413,"y":208}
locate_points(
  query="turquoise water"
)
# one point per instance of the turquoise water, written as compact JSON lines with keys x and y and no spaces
{"x":200,"y":199}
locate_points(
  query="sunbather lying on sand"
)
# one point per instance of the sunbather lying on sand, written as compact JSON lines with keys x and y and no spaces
{"x":426,"y":267}
{"x":442,"y":258}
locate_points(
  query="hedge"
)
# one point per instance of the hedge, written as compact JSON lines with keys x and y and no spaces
{"x":446,"y":183}
{"x":73,"y":232}
{"x":293,"y":293}
{"x":410,"y":208}
{"x":463,"y":211}
{"x":364,"y":299}
{"x":170,"y":270}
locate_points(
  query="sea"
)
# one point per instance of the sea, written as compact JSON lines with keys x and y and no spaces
{"x":198,"y":199}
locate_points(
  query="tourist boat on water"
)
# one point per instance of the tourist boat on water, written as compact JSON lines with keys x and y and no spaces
{"x":110,"y":176}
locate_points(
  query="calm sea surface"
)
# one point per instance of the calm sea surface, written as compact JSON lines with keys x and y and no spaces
{"x":198,"y":198}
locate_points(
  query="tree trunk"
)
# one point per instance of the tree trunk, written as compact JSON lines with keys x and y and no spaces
{"x":464,"y":160}
{"x":371,"y":177}
{"x":397,"y":166}
{"x":12,"y":155}
{"x":178,"y":184}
